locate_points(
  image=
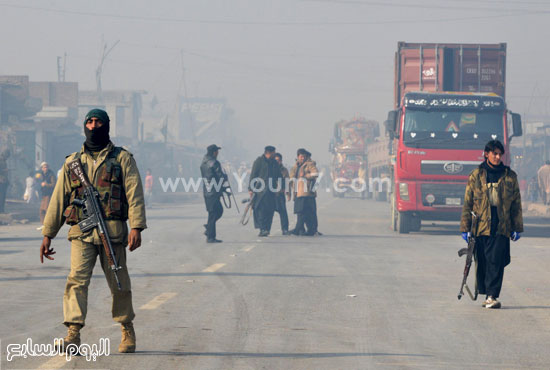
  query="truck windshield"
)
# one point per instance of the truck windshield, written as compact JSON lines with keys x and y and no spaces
{"x":437,"y":129}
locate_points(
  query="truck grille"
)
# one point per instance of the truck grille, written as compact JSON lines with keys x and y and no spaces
{"x":453,"y":168}
{"x":441,"y":192}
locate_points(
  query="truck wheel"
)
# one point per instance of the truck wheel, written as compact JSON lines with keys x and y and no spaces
{"x":415,"y":223}
{"x":403,"y":222}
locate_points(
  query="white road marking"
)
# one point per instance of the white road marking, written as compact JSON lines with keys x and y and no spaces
{"x":157,"y":301}
{"x":56,"y":362}
{"x":248,"y":248}
{"x":215,"y":267}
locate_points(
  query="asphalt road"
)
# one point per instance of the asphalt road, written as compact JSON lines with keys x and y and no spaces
{"x":359,"y":297}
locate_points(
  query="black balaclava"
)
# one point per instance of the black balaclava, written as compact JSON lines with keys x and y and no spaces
{"x":97,"y":138}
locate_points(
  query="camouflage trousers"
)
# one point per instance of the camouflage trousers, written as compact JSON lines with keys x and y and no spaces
{"x":75,"y":299}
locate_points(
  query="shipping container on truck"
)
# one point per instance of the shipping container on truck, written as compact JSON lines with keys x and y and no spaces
{"x":449,"y":102}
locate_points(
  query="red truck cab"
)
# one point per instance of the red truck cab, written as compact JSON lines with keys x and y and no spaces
{"x":438,"y":139}
{"x":449,"y":102}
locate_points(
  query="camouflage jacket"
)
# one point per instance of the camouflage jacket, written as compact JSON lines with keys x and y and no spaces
{"x":476,"y":199}
{"x":131,"y":188}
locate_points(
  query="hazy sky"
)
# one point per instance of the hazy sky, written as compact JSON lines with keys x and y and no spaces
{"x":289,"y":68}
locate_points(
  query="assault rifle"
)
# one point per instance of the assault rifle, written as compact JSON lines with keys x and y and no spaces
{"x":469,"y":252}
{"x":228,"y":191}
{"x":94,"y":217}
{"x":248,"y":209}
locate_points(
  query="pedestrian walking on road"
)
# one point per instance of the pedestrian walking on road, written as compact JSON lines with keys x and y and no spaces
{"x":115,"y":176}
{"x":45,"y":178}
{"x":493,"y":195}
{"x":265,"y":180}
{"x":149,"y":182}
{"x":533,"y":189}
{"x":213,"y":180}
{"x":543,"y":176}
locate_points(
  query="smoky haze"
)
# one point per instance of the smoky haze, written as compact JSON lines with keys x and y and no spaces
{"x":288,"y":69}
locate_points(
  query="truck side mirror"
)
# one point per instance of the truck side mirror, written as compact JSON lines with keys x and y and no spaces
{"x":516,"y":125}
{"x":391,"y":123}
{"x":389,"y":129}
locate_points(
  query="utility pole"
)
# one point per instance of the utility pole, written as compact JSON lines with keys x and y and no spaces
{"x":61,"y":68}
{"x":104,"y":54}
{"x":188,"y":107}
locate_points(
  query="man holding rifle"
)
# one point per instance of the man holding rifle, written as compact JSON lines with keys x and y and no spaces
{"x":213,"y":179}
{"x":113,"y":173}
{"x":493,"y":195}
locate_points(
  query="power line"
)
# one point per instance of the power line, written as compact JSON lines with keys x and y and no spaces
{"x":416,"y":5}
{"x":252,"y":54}
{"x":264,"y":23}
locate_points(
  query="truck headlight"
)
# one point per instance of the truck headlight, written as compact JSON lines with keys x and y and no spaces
{"x":404,"y":190}
{"x":430,"y":198}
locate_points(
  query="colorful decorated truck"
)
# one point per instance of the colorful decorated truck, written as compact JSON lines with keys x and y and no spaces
{"x":349,"y":156}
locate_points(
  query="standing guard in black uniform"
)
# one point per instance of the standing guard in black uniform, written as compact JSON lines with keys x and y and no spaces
{"x":213,"y":180}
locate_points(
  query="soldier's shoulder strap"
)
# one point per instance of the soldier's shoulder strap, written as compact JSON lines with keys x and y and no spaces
{"x":118,"y":152}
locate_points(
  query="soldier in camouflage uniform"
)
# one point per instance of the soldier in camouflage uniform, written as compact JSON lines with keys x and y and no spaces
{"x":113,"y":172}
{"x":493,"y":195}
